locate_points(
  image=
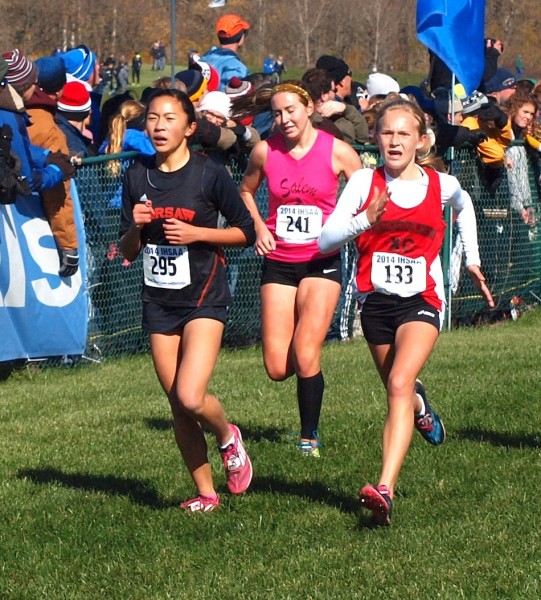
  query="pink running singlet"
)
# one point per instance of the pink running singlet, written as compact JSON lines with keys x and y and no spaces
{"x":302,"y":195}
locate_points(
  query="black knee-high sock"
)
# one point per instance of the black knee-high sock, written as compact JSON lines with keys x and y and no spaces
{"x":310,"y":398}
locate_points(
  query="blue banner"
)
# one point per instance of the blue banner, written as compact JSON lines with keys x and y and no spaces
{"x":41,"y":314}
{"x":455,"y":30}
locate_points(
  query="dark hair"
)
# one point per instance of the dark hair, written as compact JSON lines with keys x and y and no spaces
{"x":524,"y":86}
{"x":234,"y":39}
{"x":181,"y":97}
{"x":317,"y":82}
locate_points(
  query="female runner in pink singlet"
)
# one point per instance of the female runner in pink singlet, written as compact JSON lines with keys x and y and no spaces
{"x":300,"y":287}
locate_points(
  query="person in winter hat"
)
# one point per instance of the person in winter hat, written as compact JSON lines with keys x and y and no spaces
{"x":341,"y":75}
{"x":194,"y":81}
{"x":218,"y":103}
{"x":22,"y":73}
{"x":45,"y":132}
{"x":380,"y":84}
{"x":231,"y":31}
{"x":82,"y":65}
{"x":232,"y":138}
{"x":72,"y":115}
{"x":39,"y":168}
{"x":483,"y":113}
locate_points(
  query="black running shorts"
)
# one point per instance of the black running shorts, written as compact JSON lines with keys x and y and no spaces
{"x":276,"y":271}
{"x":382,"y":315}
{"x":160,"y":318}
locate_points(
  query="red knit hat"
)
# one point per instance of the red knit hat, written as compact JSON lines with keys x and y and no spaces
{"x":238,"y":87}
{"x":74,"y":104}
{"x":22,"y":73}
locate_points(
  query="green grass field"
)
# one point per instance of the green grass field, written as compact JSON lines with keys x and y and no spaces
{"x":90,"y":481}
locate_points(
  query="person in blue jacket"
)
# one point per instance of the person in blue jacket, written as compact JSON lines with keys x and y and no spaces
{"x":40,"y":168}
{"x":231,"y":31}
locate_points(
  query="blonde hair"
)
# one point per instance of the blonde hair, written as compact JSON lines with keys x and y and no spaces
{"x":425,"y":156}
{"x":131,"y":109}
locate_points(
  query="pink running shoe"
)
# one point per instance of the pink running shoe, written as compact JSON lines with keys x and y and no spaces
{"x":201,"y":503}
{"x":238,"y":468}
{"x":378,"y":500}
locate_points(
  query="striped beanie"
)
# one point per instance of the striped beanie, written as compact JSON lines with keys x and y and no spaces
{"x":194,"y":81}
{"x":74,"y":104}
{"x":22,"y":72}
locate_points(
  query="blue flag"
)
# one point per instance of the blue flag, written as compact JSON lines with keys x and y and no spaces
{"x":454,"y":30}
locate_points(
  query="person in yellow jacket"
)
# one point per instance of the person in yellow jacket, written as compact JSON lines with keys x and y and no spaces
{"x":482,"y":112}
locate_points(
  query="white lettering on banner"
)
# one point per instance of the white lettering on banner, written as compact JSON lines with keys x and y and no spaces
{"x":16,"y":291}
{"x":47,"y":258}
{"x":34,"y":230}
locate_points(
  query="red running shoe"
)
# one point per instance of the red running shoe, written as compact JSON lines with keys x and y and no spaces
{"x":378,"y":500}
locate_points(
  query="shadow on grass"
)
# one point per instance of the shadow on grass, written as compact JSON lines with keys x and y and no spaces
{"x":496,"y":438}
{"x":251,"y":434}
{"x":159,"y":424}
{"x":310,"y":490}
{"x":137,"y":491}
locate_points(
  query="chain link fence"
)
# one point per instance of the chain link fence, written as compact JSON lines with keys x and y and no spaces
{"x":510,"y":254}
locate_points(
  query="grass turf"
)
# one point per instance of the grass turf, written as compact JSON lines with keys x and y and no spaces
{"x":90,"y":482}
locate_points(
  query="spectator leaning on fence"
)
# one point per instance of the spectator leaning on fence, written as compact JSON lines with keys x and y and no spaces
{"x":39,"y":168}
{"x":482,"y":113}
{"x":348,"y":120}
{"x":522,"y":110}
{"x":72,"y":116}
{"x":341,"y":75}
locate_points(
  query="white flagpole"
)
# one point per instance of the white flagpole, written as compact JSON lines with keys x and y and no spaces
{"x":449,"y":229}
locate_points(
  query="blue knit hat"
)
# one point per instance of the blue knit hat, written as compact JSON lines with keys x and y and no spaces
{"x":52,"y":74}
{"x":427,"y":104}
{"x":79,"y":62}
{"x":502,"y":79}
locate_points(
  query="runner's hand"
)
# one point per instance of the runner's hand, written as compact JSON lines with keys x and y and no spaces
{"x":265,"y":242}
{"x":376,"y":208}
{"x":480,"y":284}
{"x":179,"y":233}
